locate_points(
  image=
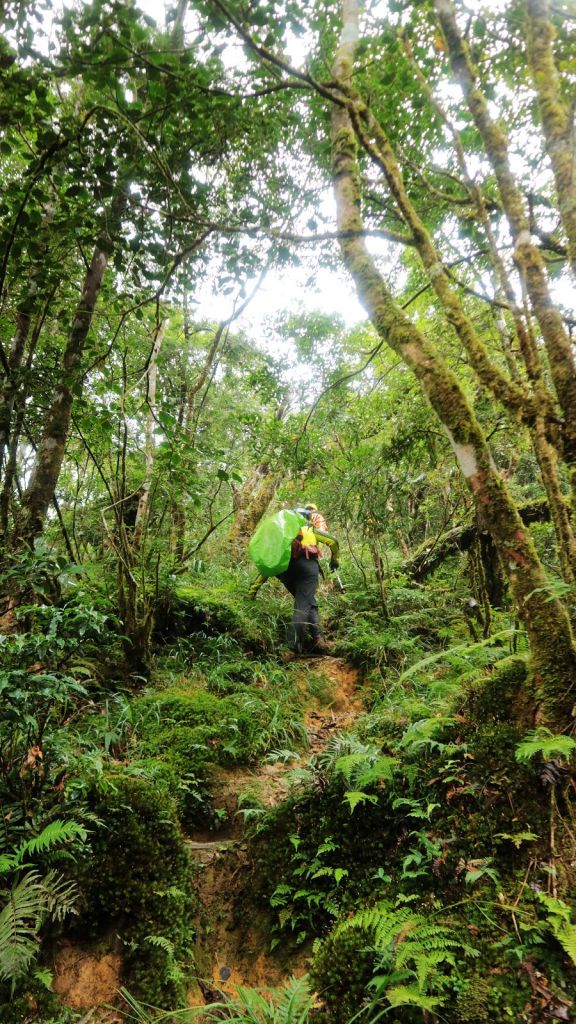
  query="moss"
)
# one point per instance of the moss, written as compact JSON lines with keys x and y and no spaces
{"x":500,"y":695}
{"x":217,"y":611}
{"x":494,"y":999}
{"x":179,"y":759}
{"x":363,"y":842}
{"x":342,"y":968}
{"x":34,"y":1005}
{"x":138,"y":882}
{"x":237,"y":726}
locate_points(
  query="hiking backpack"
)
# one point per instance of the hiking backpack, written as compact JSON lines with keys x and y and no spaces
{"x":271,"y":546}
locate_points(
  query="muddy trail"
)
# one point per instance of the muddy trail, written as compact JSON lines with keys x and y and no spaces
{"x":232,"y":952}
{"x":229,"y":951}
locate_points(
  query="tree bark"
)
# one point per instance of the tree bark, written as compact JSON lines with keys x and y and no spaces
{"x":136,"y":605}
{"x":546,"y":621}
{"x":460,"y":539}
{"x":251,"y":502}
{"x":27,"y":311}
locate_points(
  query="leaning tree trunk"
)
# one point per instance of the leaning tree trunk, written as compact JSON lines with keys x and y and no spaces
{"x":50,"y":454}
{"x":251,"y":502}
{"x":546,"y":621}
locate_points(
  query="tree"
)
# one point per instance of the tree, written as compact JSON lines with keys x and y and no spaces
{"x":536,"y":386}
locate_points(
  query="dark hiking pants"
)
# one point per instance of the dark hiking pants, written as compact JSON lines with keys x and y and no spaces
{"x":301,"y":580}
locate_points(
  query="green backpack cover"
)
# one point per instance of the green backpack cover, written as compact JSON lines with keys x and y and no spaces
{"x":271,"y":545}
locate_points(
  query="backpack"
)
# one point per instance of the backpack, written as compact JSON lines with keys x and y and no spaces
{"x":271,"y":546}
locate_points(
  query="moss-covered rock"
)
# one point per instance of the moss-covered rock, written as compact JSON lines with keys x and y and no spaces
{"x":237,"y":727}
{"x":490,"y":996}
{"x":183,"y":757}
{"x":215,"y":609}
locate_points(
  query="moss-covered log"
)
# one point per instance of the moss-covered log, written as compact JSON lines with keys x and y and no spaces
{"x":431,"y":555}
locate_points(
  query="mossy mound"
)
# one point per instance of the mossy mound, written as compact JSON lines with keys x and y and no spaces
{"x":180,"y":761}
{"x":502,"y":695}
{"x":138,"y":882}
{"x":237,"y":727}
{"x":342,"y":968}
{"x":214,"y":609}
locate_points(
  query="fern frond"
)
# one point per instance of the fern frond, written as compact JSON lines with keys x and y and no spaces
{"x":55,"y":833}
{"x":20,"y":921}
{"x":61,"y":896}
{"x":408,"y":995}
{"x":566,"y":935}
{"x":161,"y":942}
{"x":346,"y":765}
{"x":30,"y":902}
{"x":542,"y":741}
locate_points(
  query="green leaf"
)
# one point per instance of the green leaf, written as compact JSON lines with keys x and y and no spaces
{"x":544,"y":743}
{"x":355,"y":797}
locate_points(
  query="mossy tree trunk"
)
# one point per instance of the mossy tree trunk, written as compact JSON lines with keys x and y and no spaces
{"x":50,"y":454}
{"x":546,"y":621}
{"x":251,"y":502}
{"x":526,"y":399}
{"x":527,"y":256}
{"x":556,"y":117}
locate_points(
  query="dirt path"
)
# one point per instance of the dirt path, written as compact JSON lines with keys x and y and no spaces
{"x":231,"y":952}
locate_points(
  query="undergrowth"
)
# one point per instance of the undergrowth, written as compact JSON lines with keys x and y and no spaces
{"x":426,"y":856}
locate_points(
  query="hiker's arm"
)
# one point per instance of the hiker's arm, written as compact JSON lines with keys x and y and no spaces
{"x":256,"y":584}
{"x":333,"y":544}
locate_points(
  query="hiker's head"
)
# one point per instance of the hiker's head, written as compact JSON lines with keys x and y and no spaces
{"x":311,"y":508}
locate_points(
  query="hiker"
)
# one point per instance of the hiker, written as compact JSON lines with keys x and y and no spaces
{"x":301,"y":579}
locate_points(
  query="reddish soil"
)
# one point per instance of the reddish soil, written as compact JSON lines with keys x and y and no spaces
{"x":87,"y":979}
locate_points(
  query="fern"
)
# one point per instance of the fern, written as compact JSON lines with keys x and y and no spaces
{"x":363,"y":768}
{"x":19,"y":925}
{"x":413,"y":948}
{"x":560,"y":920}
{"x":61,"y":896}
{"x":54,"y":834}
{"x":290,"y":1005}
{"x":161,"y":942}
{"x":542,"y":741}
{"x":462,"y":651}
{"x":405,"y":995}
{"x":31,"y":901}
